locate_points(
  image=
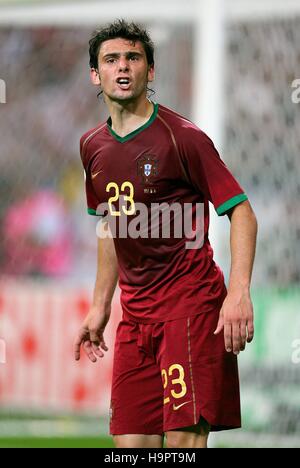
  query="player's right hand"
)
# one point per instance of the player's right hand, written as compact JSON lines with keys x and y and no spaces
{"x":90,"y":335}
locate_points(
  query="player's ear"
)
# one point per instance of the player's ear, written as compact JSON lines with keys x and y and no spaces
{"x":151,"y":73}
{"x":95,"y":77}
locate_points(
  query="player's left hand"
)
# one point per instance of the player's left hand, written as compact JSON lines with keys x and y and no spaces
{"x":236,"y":318}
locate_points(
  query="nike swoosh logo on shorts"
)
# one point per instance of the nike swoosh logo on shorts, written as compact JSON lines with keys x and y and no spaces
{"x":175,"y":408}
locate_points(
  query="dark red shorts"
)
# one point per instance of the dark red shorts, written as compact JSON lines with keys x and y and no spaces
{"x":168,"y":374}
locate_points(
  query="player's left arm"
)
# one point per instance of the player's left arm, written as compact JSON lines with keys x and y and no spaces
{"x":236,"y":315}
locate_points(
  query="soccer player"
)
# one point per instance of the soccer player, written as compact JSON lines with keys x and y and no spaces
{"x":175,"y":374}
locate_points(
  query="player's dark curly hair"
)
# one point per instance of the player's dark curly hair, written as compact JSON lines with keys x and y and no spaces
{"x":120,"y":29}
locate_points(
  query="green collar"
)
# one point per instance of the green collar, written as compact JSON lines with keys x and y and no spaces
{"x":135,"y":132}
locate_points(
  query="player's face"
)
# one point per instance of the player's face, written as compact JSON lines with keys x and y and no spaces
{"x":123,"y":70}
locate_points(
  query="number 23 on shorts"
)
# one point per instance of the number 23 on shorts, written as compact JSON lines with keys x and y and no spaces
{"x":176,"y":373}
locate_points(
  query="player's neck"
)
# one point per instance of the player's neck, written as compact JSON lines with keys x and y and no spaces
{"x":127,"y":118}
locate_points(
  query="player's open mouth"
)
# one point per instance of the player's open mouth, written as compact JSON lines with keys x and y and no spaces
{"x":124,"y":83}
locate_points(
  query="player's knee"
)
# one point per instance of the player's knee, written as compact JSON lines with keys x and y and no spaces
{"x":183,"y":440}
{"x":138,"y":441}
{"x":174,"y":440}
{"x":178,"y":439}
{"x":187,"y":439}
{"x":122,"y":442}
{"x":128,"y":441}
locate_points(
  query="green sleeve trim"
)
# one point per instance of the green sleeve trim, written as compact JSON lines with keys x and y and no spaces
{"x":93,"y":212}
{"x":231,"y":203}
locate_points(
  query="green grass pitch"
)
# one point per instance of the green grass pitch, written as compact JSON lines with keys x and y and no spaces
{"x":57,"y":442}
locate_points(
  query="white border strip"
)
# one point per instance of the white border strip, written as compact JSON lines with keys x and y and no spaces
{"x":92,"y":13}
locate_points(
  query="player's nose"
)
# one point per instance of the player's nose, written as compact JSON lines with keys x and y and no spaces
{"x":123,"y":64}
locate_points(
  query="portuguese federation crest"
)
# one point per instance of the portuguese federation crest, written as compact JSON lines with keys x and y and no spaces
{"x":147,"y":168}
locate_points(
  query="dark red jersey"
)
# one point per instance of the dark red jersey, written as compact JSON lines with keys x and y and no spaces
{"x":169,"y":160}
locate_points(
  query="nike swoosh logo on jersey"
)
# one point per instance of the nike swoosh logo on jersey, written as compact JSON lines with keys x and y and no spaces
{"x":175,"y":408}
{"x":95,"y":175}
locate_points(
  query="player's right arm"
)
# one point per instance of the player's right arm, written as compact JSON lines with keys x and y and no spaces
{"x":90,"y":335}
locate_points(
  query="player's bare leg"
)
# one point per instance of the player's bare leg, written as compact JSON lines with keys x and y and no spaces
{"x":189,"y":437}
{"x":138,"y":441}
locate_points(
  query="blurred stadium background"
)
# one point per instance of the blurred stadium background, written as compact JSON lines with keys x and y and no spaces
{"x":229,"y":65}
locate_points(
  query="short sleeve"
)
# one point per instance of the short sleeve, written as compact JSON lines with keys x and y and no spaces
{"x":207,"y":172}
{"x":91,"y":197}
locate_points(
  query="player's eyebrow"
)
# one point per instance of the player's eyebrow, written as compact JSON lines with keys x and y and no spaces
{"x":133,"y":53}
{"x":128,"y":54}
